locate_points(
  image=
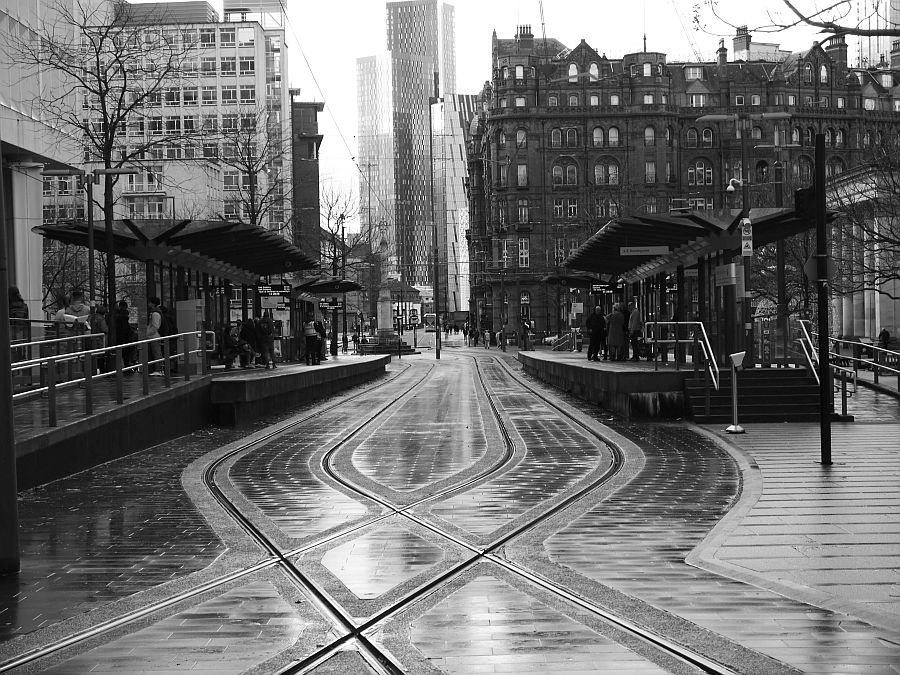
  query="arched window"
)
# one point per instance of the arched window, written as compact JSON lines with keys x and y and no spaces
{"x":805,"y":168}
{"x":670,"y":135}
{"x":829,"y":138}
{"x":571,"y":138}
{"x":700,"y":173}
{"x":867,"y":140}
{"x":557,"y":175}
{"x":809,"y":136}
{"x":501,"y":138}
{"x":606,"y":172}
{"x":808,"y":73}
{"x":555,"y":138}
{"x":612,"y":137}
{"x":823,"y":74}
{"x":521,"y":138}
{"x":573,"y":73}
{"x":571,"y":174}
{"x":795,"y":136}
{"x":520,"y":72}
{"x":573,"y":100}
{"x":756,"y":133}
{"x":594,"y":71}
{"x":834,"y":166}
{"x":840,"y":139}
{"x":598,"y":137}
{"x":649,"y":136}
{"x":691,"y":140}
{"x":707,"y":137}
{"x":762,"y":172}
{"x":879,"y":141}
{"x":504,"y":74}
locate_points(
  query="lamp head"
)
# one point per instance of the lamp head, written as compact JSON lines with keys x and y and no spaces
{"x":732,"y":183}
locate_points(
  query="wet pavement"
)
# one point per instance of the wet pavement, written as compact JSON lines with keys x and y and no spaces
{"x":789,"y":567}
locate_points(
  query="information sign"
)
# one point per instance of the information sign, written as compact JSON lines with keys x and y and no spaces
{"x":330,"y":305}
{"x":643,"y":250}
{"x":746,"y":238}
{"x":273,"y":289}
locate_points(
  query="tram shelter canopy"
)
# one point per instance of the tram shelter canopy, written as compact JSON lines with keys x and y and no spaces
{"x":637,"y":247}
{"x":236,"y":251}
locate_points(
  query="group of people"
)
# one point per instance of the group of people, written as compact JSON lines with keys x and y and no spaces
{"x":251,"y":341}
{"x":612,"y":333}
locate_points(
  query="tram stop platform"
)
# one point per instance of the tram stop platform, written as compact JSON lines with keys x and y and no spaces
{"x":157,"y":410}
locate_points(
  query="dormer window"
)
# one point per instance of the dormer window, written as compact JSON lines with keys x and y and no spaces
{"x":887,"y":80}
{"x":648,"y":69}
{"x":823,"y":75}
{"x":573,"y":72}
{"x":594,"y":71}
{"x":693,"y":73}
{"x":807,"y":74}
{"x":520,"y":72}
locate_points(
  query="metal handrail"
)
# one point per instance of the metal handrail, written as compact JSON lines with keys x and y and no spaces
{"x":877,"y":364}
{"x":709,"y":359}
{"x":49,"y":364}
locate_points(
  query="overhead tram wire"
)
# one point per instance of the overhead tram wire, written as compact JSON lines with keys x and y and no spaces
{"x":343,"y":138}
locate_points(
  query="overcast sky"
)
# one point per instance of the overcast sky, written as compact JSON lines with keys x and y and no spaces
{"x":325,"y":37}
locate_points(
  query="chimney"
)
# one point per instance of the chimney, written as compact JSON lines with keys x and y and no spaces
{"x":525,"y":38}
{"x":836,"y":48}
{"x":722,"y":53}
{"x":741,"y":44}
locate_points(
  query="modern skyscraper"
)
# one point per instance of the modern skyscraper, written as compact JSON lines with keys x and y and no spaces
{"x":395,"y":90}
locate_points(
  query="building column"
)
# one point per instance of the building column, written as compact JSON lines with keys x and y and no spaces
{"x":25,"y":203}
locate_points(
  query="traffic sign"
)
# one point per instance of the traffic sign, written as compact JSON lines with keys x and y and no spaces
{"x":746,"y":238}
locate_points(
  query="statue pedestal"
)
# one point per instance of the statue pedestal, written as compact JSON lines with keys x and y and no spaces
{"x":385,"y":317}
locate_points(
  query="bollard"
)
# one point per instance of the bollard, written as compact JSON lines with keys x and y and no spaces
{"x":736,"y":360}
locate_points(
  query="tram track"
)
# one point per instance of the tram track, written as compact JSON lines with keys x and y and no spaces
{"x":360,"y":633}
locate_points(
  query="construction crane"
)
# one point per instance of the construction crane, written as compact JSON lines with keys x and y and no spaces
{"x":687,"y":33}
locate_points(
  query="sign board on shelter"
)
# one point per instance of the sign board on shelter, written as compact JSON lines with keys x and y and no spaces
{"x":330,"y":305}
{"x":643,"y":250}
{"x":273,"y":289}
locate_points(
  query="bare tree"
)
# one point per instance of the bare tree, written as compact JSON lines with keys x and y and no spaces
{"x":837,"y":17}
{"x":866,"y":240}
{"x":104,"y":72}
{"x":254,"y":154}
{"x":335,"y":208}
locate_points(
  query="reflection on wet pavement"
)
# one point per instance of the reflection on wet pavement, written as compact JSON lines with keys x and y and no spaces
{"x":277,"y":479}
{"x":228,"y":634}
{"x":489,"y":626}
{"x":376,"y":562}
{"x":636,"y":540}
{"x":104,"y":534}
{"x":428,"y":437}
{"x":557,"y":455}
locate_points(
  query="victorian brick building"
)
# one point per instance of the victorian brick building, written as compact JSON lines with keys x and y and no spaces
{"x":567,"y":139}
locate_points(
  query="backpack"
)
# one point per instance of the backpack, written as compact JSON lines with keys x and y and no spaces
{"x":167,"y":324}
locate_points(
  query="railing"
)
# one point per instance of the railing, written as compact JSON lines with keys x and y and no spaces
{"x":85,"y":361}
{"x":699,"y":338}
{"x":882,"y":363}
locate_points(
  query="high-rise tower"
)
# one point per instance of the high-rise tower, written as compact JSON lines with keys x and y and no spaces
{"x":394,"y":94}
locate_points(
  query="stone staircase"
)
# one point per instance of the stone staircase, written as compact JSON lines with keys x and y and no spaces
{"x":764,"y":395}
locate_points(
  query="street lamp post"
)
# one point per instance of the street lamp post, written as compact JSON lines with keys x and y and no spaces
{"x":344,"y":277}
